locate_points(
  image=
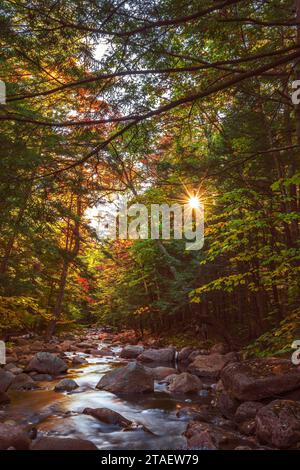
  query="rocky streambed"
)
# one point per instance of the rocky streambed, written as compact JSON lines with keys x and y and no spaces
{"x":92,"y":392}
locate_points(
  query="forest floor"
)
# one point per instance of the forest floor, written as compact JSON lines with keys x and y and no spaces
{"x":102,"y":390}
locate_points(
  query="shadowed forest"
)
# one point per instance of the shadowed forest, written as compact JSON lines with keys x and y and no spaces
{"x":187,"y":97}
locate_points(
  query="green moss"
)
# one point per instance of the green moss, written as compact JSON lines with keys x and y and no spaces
{"x":278,"y":341}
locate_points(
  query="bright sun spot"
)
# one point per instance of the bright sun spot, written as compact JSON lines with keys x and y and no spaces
{"x":194,"y":202}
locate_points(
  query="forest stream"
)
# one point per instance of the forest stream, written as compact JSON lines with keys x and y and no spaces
{"x":97,"y":390}
{"x":60,"y":414}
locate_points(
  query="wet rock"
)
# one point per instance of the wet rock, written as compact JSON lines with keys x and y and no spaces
{"x":59,"y":443}
{"x":66,"y":385}
{"x":131,"y":351}
{"x":4,"y":398}
{"x":133,"y":378}
{"x":227,"y":404}
{"x":108,"y":416}
{"x":247,"y":427}
{"x":260,"y":378}
{"x":208,"y":366}
{"x":13,"y":436}
{"x":207,"y":436}
{"x":199,"y":438}
{"x":78,"y":360}
{"x":6,"y":379}
{"x":184,"y":353}
{"x":11,"y":358}
{"x":247,"y":411}
{"x":13,"y":369}
{"x":47,"y":363}
{"x":100,"y":352}
{"x":185,"y":383}
{"x":160,"y":373}
{"x":42,"y":378}
{"x":169,"y":378}
{"x":22,"y":382}
{"x":193,"y":355}
{"x":164,"y":355}
{"x":278,"y":424}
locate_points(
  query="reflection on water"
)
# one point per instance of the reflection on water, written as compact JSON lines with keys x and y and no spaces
{"x":60,"y":414}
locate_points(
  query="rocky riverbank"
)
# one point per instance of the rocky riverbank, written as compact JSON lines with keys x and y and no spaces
{"x":219,"y":400}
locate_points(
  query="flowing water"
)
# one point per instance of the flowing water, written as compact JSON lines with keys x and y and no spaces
{"x":60,"y":414}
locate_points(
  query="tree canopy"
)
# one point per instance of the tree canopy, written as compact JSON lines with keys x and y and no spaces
{"x":153,"y":100}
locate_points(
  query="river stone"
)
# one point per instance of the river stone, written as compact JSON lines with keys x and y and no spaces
{"x":158,"y":355}
{"x":206,"y":436}
{"x":278,"y":423}
{"x":160,"y":373}
{"x":247,"y":427}
{"x":13,"y":436}
{"x":108,"y":416}
{"x":247,"y":411}
{"x":169,"y":378}
{"x":134,"y":378}
{"x":47,"y":363}
{"x":256,"y":379}
{"x":184,"y":353}
{"x":22,"y":382}
{"x":131,"y":352}
{"x":185,"y":383}
{"x":6,"y":379}
{"x":61,"y":443}
{"x":13,"y":369}
{"x":226,"y":404}
{"x":78,"y":360}
{"x":208,"y":366}
{"x":66,"y":385}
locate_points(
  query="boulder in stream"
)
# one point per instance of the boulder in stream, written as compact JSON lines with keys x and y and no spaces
{"x":247,"y":411}
{"x":185,"y":383}
{"x":6,"y":379}
{"x":133,"y":378}
{"x":278,"y":424}
{"x":131,"y":351}
{"x":13,"y":436}
{"x":204,"y":436}
{"x":47,"y":363}
{"x":163,"y":355}
{"x":209,"y":366}
{"x":22,"y":382}
{"x":160,"y":373}
{"x":108,"y":416}
{"x":184,"y":353}
{"x":256,"y":379}
{"x":66,"y":385}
